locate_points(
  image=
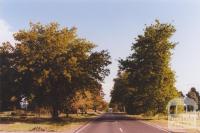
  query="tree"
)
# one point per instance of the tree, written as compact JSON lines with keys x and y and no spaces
{"x":8,"y":76}
{"x":194,"y":94}
{"x":98,"y":102}
{"x":82,"y":101}
{"x":121,"y":93}
{"x":149,"y":69}
{"x":89,"y":100}
{"x":181,"y":94}
{"x":54,"y":63}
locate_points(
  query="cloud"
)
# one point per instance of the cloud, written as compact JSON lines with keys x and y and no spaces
{"x":5,"y":32}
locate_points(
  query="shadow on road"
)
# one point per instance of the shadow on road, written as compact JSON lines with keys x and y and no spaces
{"x":111,"y":117}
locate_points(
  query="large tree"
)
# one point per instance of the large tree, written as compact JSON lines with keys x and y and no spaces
{"x":149,"y":69}
{"x":8,"y":85}
{"x":54,"y":63}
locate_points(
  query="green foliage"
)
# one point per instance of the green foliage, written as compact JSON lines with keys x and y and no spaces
{"x":121,"y":94}
{"x":149,"y":71}
{"x":180,"y":93}
{"x":54,"y":63}
{"x":8,"y":86}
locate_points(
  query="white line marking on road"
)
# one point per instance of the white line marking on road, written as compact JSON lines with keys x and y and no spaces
{"x":155,"y":126}
{"x":82,"y":128}
{"x":121,"y":130}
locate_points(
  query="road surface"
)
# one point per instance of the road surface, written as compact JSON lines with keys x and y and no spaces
{"x":118,"y":123}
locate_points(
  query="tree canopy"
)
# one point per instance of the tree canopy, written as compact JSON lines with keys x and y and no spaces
{"x":53,"y":63}
{"x":8,"y":75}
{"x":149,"y":72}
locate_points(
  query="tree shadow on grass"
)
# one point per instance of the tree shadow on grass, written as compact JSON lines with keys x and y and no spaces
{"x":36,"y":120}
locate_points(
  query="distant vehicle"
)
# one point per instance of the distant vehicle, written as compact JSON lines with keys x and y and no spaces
{"x":110,"y":110}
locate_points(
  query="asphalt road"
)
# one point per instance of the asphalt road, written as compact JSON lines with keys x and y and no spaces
{"x":118,"y":123}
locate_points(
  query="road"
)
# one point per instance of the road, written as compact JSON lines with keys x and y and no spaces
{"x":118,"y":123}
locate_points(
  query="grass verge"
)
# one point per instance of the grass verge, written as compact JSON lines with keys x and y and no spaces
{"x":44,"y":123}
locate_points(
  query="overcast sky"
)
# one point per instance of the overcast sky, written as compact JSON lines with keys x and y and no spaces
{"x":113,"y":25}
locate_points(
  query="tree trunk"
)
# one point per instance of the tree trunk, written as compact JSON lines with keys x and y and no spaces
{"x":0,"y":105}
{"x":67,"y":115}
{"x":95,"y":109}
{"x":55,"y":113}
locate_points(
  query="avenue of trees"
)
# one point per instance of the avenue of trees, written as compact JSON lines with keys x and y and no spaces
{"x":55,"y":69}
{"x":50,"y":65}
{"x":146,"y":82}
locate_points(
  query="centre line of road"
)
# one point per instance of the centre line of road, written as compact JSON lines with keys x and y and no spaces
{"x":120,"y":129}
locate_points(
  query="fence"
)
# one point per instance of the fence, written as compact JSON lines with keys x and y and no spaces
{"x":198,"y":120}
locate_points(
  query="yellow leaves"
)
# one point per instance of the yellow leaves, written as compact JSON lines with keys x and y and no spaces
{"x":83,"y":100}
{"x":67,"y":75}
{"x":6,"y":48}
{"x":72,"y":60}
{"x":13,"y":99}
{"x":89,"y":100}
{"x":46,"y":73}
{"x":22,"y":68}
{"x":50,"y":56}
{"x":39,"y":80}
{"x":23,"y":49}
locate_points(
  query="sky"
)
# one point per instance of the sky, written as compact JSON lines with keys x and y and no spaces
{"x":113,"y":25}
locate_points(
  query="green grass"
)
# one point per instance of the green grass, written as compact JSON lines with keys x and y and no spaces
{"x":149,"y":117}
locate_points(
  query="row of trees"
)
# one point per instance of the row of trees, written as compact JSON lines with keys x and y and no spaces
{"x":50,"y":65}
{"x":88,"y":100}
{"x":145,"y":81}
